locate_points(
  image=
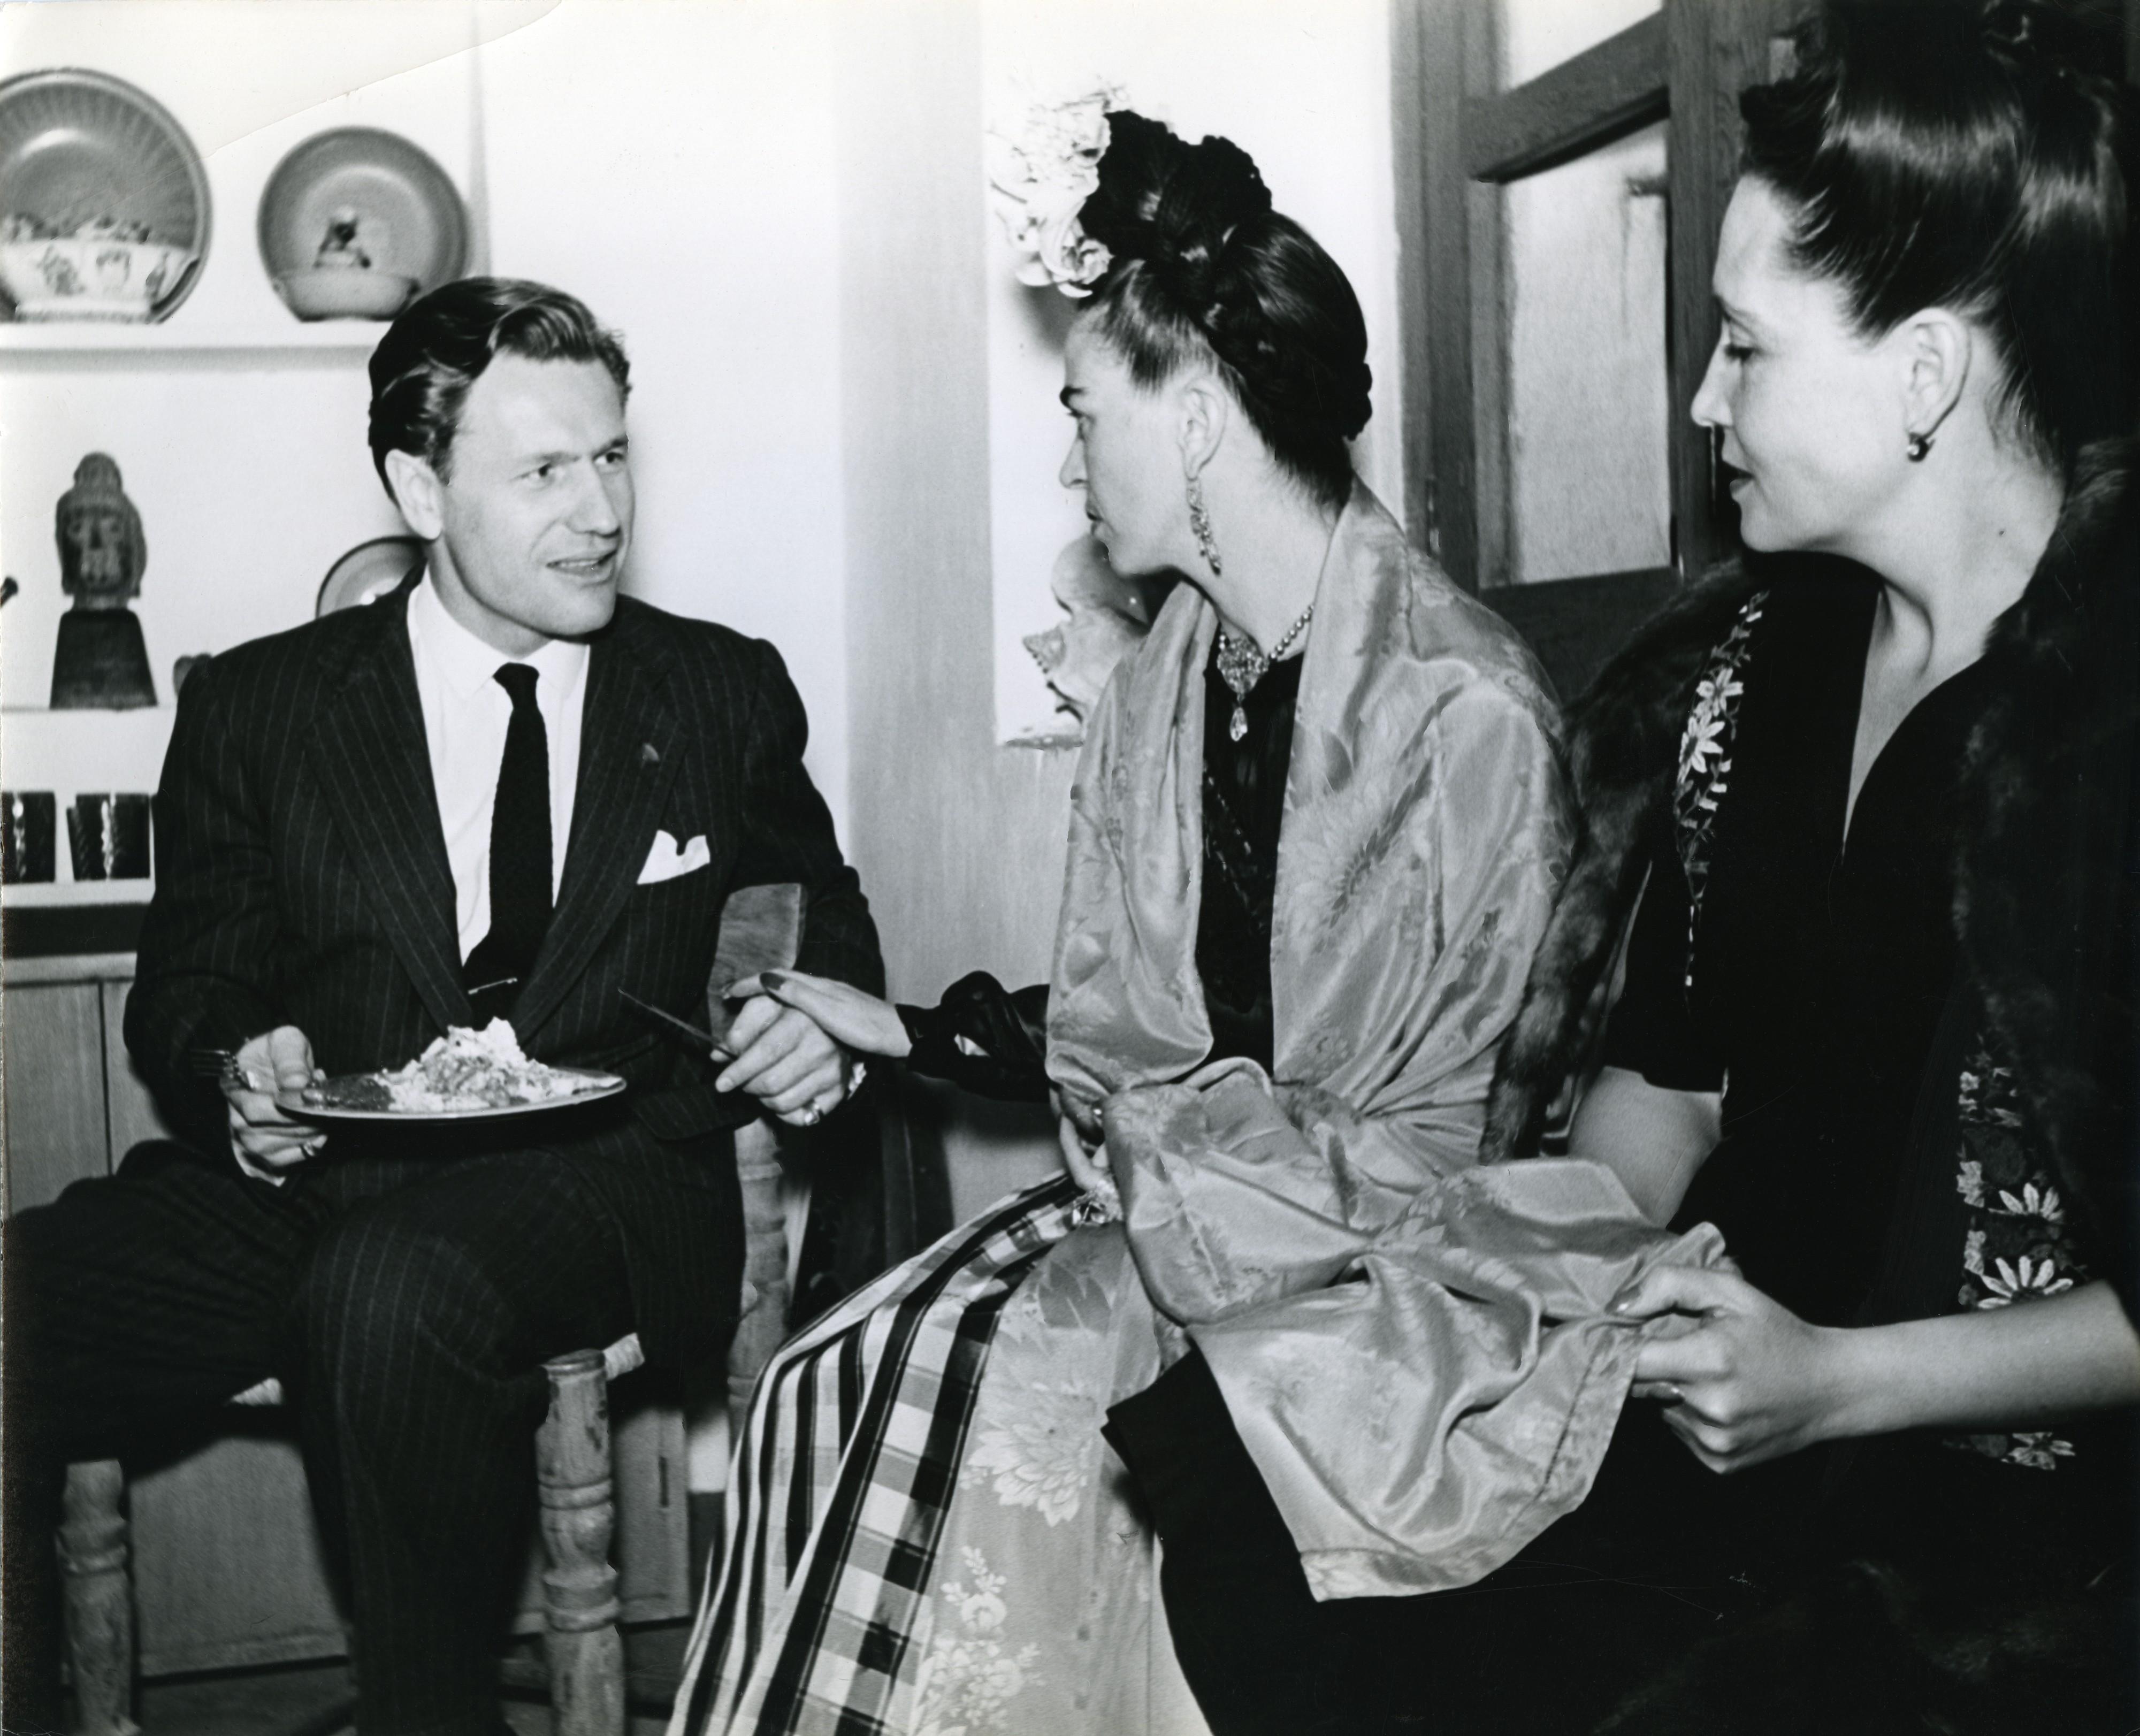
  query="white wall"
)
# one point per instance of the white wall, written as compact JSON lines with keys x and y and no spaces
{"x":249,"y":467}
{"x":671,"y":162}
{"x":668,"y":161}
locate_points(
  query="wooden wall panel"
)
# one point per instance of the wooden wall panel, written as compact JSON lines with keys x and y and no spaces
{"x":653,"y":1548}
{"x":130,"y":1110}
{"x":227,"y":1564}
{"x":53,"y":1053}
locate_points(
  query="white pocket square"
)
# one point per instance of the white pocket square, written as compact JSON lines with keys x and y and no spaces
{"x":664,"y":861}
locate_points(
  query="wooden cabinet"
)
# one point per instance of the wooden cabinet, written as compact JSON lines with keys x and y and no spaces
{"x":227,"y":1561}
{"x":58,"y":1116}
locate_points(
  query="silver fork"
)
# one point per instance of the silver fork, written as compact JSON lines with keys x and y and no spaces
{"x":220,"y":1065}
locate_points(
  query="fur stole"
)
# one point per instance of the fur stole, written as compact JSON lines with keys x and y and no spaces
{"x":2044,"y":894}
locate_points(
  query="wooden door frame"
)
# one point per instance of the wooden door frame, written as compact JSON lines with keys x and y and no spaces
{"x":1459,"y":139}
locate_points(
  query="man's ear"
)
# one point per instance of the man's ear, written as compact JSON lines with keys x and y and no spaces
{"x":1206,"y":412}
{"x":419,"y":493}
{"x":1939,"y":349}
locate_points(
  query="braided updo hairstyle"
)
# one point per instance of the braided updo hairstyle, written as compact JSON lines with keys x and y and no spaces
{"x":1204,"y":271}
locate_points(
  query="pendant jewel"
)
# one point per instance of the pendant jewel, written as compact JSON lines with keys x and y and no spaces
{"x":1243,"y":663}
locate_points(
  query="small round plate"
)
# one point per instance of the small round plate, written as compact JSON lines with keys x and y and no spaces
{"x":599,"y":1086}
{"x":366,"y":199}
{"x":368,"y":572}
{"x":77,"y":146}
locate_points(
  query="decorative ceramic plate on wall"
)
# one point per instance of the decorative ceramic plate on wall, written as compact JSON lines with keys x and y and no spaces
{"x":103,"y":204}
{"x":357,"y":222}
{"x":368,"y":572}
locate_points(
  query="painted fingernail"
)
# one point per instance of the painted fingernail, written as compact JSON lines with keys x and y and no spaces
{"x":772,"y":979}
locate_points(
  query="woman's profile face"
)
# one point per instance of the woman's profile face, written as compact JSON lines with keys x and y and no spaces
{"x":1125,"y":455}
{"x":1812,"y":415}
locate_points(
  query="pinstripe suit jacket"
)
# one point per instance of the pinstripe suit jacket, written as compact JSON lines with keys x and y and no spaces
{"x":303,"y":876}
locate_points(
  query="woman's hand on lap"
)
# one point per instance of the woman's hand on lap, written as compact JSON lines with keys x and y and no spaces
{"x":1742,"y":1379}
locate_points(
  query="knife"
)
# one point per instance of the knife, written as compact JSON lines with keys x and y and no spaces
{"x":703,"y":1039}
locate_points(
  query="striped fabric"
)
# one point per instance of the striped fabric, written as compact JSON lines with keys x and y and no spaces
{"x":302,"y":879}
{"x":843,"y":1472}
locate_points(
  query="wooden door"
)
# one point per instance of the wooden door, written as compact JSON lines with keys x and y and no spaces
{"x":1465,"y":137}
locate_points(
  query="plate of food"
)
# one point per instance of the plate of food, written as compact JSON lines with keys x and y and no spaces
{"x":464,"y":1075}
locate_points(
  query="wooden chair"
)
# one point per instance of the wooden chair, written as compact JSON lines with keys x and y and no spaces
{"x":583,"y":1645}
{"x":904,"y":1205}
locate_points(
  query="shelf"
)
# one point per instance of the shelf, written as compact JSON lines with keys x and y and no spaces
{"x":95,"y":337}
{"x":71,"y":895}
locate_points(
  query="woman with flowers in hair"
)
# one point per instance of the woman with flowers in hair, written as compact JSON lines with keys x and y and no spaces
{"x":1874,"y":789}
{"x":1315,"y":833}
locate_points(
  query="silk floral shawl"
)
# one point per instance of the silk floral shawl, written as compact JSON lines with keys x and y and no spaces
{"x":1416,"y":1353}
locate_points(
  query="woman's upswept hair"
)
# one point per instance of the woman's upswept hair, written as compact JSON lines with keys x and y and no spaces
{"x":436,"y":350}
{"x":1205,"y":271}
{"x":1972,"y":156}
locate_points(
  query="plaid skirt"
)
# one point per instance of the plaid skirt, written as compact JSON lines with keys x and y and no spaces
{"x":845,"y":1471}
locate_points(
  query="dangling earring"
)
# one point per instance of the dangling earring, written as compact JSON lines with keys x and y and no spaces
{"x":1920,"y":444}
{"x":1199,"y":522}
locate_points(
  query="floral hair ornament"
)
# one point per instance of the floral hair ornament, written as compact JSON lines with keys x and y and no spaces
{"x":1042,"y":174}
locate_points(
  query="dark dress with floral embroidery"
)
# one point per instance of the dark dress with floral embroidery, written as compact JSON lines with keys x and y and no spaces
{"x":1869,"y":1171}
{"x":1872,"y":1168}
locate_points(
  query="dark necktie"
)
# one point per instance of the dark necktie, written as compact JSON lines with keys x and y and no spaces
{"x":519,"y":856}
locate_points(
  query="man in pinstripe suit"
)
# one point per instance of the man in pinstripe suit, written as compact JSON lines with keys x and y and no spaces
{"x":502,"y":790}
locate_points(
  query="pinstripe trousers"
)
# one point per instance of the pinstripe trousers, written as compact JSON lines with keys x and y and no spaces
{"x":406,"y":1301}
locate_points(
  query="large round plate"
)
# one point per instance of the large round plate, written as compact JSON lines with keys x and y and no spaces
{"x":368,"y":572}
{"x":76,"y":146}
{"x":601,"y":1085}
{"x":409,"y":219}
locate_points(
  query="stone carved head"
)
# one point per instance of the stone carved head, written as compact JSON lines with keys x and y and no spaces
{"x":102,"y":548}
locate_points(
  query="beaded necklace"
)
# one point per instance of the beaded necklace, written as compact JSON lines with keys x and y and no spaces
{"x":1242,"y":665}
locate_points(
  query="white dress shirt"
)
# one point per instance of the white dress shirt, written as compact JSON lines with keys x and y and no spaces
{"x":465,"y":716}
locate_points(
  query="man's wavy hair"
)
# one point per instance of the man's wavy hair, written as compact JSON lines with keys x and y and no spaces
{"x":434,"y":354}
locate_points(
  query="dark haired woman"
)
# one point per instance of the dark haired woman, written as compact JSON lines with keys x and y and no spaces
{"x":1315,"y":834}
{"x":1877,"y":1018}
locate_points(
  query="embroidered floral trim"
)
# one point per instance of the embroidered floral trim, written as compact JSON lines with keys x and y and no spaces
{"x":2017,"y":1245}
{"x":1705,"y":757}
{"x":1045,"y":1456}
{"x":967,"y":1677}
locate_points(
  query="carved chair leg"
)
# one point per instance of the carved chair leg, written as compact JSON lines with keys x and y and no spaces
{"x":764,"y":1322}
{"x":99,"y":1600}
{"x":585,"y":1650}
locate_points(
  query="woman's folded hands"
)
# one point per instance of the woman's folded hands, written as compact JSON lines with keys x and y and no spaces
{"x":1743,"y":1380}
